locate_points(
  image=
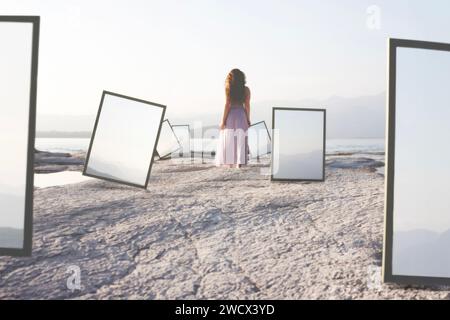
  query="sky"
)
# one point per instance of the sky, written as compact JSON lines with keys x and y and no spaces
{"x":422,"y":174}
{"x":178,"y":53}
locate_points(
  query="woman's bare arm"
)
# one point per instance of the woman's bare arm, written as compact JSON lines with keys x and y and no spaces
{"x":226,"y":111}
{"x":247,"y":104}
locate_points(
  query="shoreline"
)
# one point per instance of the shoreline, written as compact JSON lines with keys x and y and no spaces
{"x":54,"y":162}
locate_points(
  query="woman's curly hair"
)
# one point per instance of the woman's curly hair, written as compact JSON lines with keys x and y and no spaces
{"x":235,"y":86}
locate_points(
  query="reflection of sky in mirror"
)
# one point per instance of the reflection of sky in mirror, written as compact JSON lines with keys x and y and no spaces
{"x":422,"y":171}
{"x":298,"y":144}
{"x":168,"y":142}
{"x":422,"y":163}
{"x":258,"y":140}
{"x":15,"y":71}
{"x":184,"y":136}
{"x":124,"y":140}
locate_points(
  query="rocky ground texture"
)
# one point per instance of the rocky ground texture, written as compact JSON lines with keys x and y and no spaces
{"x":200,"y":232}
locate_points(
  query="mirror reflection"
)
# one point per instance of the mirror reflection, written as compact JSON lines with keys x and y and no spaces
{"x":183,"y":134}
{"x":421,"y":217}
{"x":124,"y":140}
{"x":259,"y":142}
{"x":15,"y":82}
{"x":168,"y":142}
{"x":299,"y":144}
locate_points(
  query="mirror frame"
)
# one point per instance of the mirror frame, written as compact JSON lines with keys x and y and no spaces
{"x":388,"y":276}
{"x":270,"y":139}
{"x":167,"y":156}
{"x":324,"y":111}
{"x":189,"y":129}
{"x":95,"y":130}
{"x":26,"y":250}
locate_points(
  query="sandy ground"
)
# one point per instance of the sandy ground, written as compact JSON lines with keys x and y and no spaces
{"x":201,"y":232}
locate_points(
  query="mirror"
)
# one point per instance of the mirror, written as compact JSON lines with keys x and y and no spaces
{"x":417,"y":239}
{"x":168,"y":142}
{"x":259,"y":142}
{"x":124,"y":139}
{"x":19,"y":37}
{"x":298,"y":145}
{"x":183,"y":134}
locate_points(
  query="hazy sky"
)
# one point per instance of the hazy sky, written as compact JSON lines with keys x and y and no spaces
{"x":422,"y":174}
{"x":178,"y":52}
{"x":15,"y":69}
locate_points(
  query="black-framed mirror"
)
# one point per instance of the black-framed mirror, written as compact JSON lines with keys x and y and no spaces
{"x":124,"y":140}
{"x":19,"y":38}
{"x":298,"y":144}
{"x":417,"y":210}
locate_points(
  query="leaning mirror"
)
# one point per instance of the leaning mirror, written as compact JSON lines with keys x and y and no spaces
{"x":298,"y":144}
{"x":168,"y":143}
{"x":183,"y":134}
{"x":417,"y":220}
{"x":19,"y":37}
{"x":124,"y":140}
{"x":259,"y":143}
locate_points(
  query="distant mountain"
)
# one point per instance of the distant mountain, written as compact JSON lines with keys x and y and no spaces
{"x":422,"y":253}
{"x":11,"y":238}
{"x":11,"y":205}
{"x":98,"y":173}
{"x":12,"y":211}
{"x":63,"y":134}
{"x":116,"y":172}
{"x":300,"y":166}
{"x":358,"y":117}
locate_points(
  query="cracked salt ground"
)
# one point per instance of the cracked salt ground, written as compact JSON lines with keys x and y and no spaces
{"x":201,"y":232}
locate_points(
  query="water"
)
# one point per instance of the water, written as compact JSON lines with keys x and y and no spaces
{"x":366,"y":146}
{"x":69,"y":145}
{"x":58,"y":179}
{"x":333,"y":145}
{"x":72,"y":145}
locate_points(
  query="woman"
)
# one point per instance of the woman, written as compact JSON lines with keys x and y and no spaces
{"x":232,"y":146}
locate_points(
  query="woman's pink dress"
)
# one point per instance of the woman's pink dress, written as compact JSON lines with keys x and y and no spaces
{"x":232,"y":146}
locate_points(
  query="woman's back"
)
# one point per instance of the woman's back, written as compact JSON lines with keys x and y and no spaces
{"x":232,"y":147}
